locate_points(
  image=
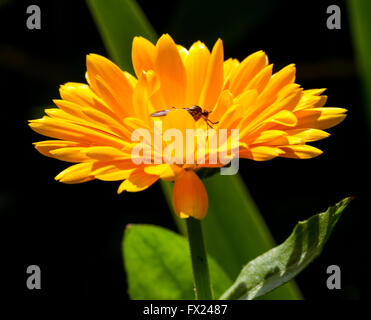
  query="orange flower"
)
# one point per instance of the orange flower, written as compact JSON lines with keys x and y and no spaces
{"x":94,"y":123}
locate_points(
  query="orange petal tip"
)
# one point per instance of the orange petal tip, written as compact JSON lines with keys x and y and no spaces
{"x":190,"y":196}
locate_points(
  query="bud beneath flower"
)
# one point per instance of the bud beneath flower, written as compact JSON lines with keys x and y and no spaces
{"x":190,"y":196}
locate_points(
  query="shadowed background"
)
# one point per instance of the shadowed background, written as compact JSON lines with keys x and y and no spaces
{"x":74,"y":232}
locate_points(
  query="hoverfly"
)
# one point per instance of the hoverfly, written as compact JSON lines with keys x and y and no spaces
{"x":195,"y":111}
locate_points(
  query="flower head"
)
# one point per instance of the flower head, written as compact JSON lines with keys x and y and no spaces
{"x":94,"y":123}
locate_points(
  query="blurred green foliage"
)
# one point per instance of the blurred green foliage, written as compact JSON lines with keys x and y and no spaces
{"x":158,"y":265}
{"x":191,"y":16}
{"x":119,"y":22}
{"x":360,"y":11}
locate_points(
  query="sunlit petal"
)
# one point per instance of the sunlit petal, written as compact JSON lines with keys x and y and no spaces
{"x":190,"y":196}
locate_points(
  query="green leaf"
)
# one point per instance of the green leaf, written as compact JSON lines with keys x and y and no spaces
{"x":285,"y":261}
{"x":234,"y":230}
{"x":237,"y":24}
{"x":360,"y":22}
{"x":233,"y":219}
{"x":119,"y":21}
{"x":158,"y":265}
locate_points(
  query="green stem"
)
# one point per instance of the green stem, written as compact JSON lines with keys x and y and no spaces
{"x":199,"y":260}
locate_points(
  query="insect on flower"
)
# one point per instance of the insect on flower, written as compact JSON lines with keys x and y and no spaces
{"x":195,"y":111}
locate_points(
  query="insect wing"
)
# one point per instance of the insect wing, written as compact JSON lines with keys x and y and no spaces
{"x":160,"y":113}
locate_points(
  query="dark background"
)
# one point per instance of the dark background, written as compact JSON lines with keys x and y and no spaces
{"x":74,"y":232}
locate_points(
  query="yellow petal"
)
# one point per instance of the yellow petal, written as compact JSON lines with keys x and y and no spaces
{"x":47,"y":146}
{"x":114,"y":84}
{"x":137,"y":181}
{"x":110,"y":97}
{"x":141,"y":102}
{"x":164,"y":171}
{"x":300,"y":151}
{"x":105,"y":123}
{"x":287,"y":103}
{"x":224,"y":102}
{"x":247,"y":70}
{"x":190,"y":196}
{"x":261,"y":153}
{"x":113,"y":175}
{"x":284,"y":140}
{"x":106,"y":153}
{"x":308,"y":134}
{"x":321,"y":102}
{"x":70,"y":154}
{"x":60,"y":129}
{"x":284,"y":117}
{"x":229,"y":66}
{"x":196,"y":65}
{"x":228,"y":117}
{"x":70,"y":107}
{"x":76,"y":174}
{"x":259,"y":113}
{"x":260,"y":81}
{"x":180,"y":120}
{"x":311,"y":99}
{"x":143,"y":55}
{"x":278,"y":81}
{"x":263,"y":137}
{"x":245,"y":102}
{"x":113,"y":170}
{"x":183,"y":52}
{"x":171,"y":72}
{"x":214,"y":78}
{"x":320,"y":118}
{"x":81,"y":95}
{"x":314,"y":92}
{"x":78,"y":93}
{"x":87,"y":116}
{"x":132,"y":124}
{"x":57,"y":113}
